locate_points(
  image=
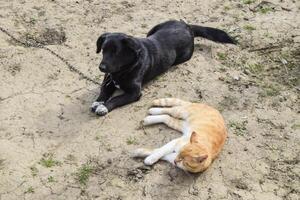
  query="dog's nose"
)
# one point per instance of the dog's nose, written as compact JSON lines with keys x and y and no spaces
{"x":102,"y":67}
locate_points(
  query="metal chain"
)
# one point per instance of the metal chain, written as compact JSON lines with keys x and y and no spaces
{"x":36,"y":44}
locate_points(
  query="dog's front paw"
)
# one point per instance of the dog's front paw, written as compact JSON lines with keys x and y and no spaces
{"x":101,"y":110}
{"x":150,"y":160}
{"x":95,"y":105}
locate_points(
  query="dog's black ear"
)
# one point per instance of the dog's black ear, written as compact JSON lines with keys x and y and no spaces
{"x":100,"y":42}
{"x":132,"y":44}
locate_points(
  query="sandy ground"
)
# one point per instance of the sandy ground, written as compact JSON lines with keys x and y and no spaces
{"x":53,"y":147}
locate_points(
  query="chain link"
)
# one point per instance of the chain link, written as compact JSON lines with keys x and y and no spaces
{"x":36,"y":44}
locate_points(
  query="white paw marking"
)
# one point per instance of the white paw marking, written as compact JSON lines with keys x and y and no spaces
{"x":186,"y":131}
{"x":147,"y":120}
{"x":101,"y":110}
{"x":116,"y":85}
{"x":154,"y":119}
{"x":150,"y":160}
{"x":154,"y":111}
{"x":96,"y":104}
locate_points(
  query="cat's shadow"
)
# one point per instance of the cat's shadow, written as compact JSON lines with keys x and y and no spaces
{"x":169,"y":180}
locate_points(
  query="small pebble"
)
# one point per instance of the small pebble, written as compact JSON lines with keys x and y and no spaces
{"x":236,"y":78}
{"x":221,"y":78}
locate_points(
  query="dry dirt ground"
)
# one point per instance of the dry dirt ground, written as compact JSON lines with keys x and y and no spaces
{"x":53,"y":147}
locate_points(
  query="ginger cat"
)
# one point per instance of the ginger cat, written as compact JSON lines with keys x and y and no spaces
{"x":203,"y":134}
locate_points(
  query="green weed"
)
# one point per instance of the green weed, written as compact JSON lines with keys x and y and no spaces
{"x":248,"y":1}
{"x":84,"y":174}
{"x":48,"y":161}
{"x":34,"y":171}
{"x":239,"y":128}
{"x":131,"y":140}
{"x":30,"y":190}
{"x":249,"y":28}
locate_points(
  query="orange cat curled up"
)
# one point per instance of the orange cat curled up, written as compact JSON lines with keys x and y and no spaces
{"x":203,"y":134}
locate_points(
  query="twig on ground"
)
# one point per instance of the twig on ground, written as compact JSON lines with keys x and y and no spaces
{"x":265,"y":48}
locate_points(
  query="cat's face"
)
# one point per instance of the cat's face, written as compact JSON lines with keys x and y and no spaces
{"x":192,"y":156}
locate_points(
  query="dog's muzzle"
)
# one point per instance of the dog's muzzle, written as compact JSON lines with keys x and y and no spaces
{"x":103,"y":67}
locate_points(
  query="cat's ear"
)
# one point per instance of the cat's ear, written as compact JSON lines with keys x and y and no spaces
{"x":193,"y":137}
{"x":200,"y":159}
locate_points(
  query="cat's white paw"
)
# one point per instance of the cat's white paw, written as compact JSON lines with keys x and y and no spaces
{"x":150,"y":160}
{"x":154,"y":111}
{"x":154,"y":119}
{"x":101,"y":110}
{"x":95,"y":105}
{"x":147,"y":120}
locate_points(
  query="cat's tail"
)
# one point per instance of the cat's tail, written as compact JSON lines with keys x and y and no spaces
{"x":213,"y":34}
{"x":169,"y":102}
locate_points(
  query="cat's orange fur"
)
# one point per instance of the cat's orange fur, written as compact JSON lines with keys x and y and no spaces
{"x":203,"y":129}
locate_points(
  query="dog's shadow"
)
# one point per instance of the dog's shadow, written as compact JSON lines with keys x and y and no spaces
{"x":67,"y":115}
{"x":70,"y":117}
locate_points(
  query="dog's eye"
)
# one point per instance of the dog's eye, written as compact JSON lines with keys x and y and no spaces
{"x":115,"y":51}
{"x":112,"y":51}
{"x":110,"y":48}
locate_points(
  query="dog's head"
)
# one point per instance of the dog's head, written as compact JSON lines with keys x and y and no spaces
{"x":119,"y":51}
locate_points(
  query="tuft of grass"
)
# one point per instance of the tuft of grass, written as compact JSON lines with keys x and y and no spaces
{"x":48,"y":161}
{"x":98,"y":138}
{"x":239,"y":128}
{"x":34,"y":171}
{"x":249,"y":27}
{"x":84,"y":174}
{"x":268,"y":35}
{"x":296,"y":126}
{"x":221,"y":56}
{"x":29,"y":190}
{"x":270,"y":90}
{"x":248,"y":1}
{"x":131,"y":140}
{"x":51,"y":179}
{"x":226,"y":8}
{"x":255,"y":68}
{"x":32,"y":21}
{"x":265,"y":10}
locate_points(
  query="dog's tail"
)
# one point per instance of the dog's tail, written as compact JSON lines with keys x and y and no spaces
{"x":213,"y":34}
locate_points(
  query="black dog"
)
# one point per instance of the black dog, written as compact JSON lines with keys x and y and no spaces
{"x":130,"y":62}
